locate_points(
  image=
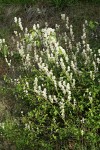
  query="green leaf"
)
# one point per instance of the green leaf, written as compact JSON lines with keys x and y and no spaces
{"x":5,"y":50}
{"x":54,"y":137}
{"x":91,"y":24}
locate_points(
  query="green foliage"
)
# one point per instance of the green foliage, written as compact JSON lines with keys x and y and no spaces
{"x":94,"y":33}
{"x":93,"y":25}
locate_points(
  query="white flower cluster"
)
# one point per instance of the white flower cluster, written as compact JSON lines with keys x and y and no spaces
{"x":62,"y":66}
{"x":19,"y":22}
{"x":38,"y":89}
{"x":2,"y":41}
{"x":61,"y":104}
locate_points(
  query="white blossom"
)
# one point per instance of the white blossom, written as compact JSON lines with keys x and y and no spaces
{"x":62,"y":64}
{"x":44,"y":93}
{"x":73,"y":83}
{"x":98,"y":60}
{"x":61,"y":104}
{"x":15,"y":19}
{"x":20,"y":23}
{"x":50,"y":98}
{"x":83,"y":120}
{"x":63,"y":16}
{"x":74,"y":102}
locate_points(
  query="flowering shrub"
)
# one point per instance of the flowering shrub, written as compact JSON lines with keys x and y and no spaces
{"x":55,"y":82}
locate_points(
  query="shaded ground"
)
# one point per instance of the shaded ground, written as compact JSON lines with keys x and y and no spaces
{"x":44,"y":13}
